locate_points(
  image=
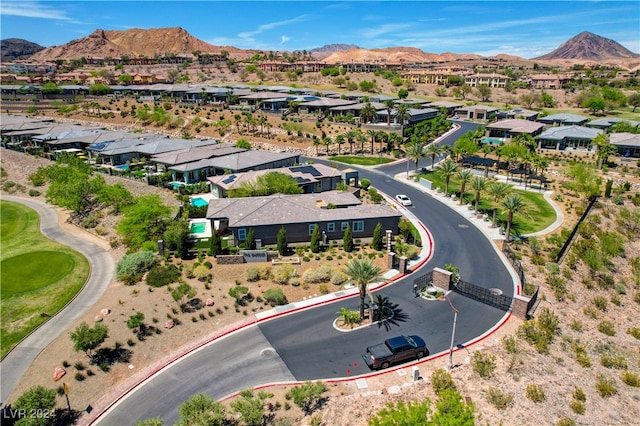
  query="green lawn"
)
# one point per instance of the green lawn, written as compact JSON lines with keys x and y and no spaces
{"x":361,"y":161}
{"x":538,"y":215}
{"x":39,"y":277}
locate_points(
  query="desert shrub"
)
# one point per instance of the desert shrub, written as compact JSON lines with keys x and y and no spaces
{"x":238,"y":291}
{"x":338,"y":277}
{"x":581,"y":356}
{"x":607,"y":327}
{"x":579,"y":395}
{"x":441,"y":380}
{"x":134,"y":264}
{"x":201,"y":272}
{"x":321,"y":274}
{"x":606,"y":386}
{"x":510,"y":344}
{"x":483,"y":364}
{"x":160,"y":276}
{"x":630,"y":378}
{"x":565,"y":421}
{"x":308,"y":396}
{"x":34,"y":193}
{"x":282,"y":273}
{"x":540,"y":332}
{"x":497,"y":398}
{"x":613,"y":361}
{"x":634,"y":331}
{"x":576,"y":325}
{"x":323,"y":289}
{"x":264,"y":272}
{"x":275,"y":297}
{"x":252,"y":273}
{"x":590,"y":312}
{"x":600,"y":303}
{"x":577,"y":407}
{"x":79,"y":376}
{"x":535,"y":392}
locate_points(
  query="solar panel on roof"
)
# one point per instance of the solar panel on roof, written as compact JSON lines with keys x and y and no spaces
{"x":98,"y":146}
{"x":229,"y":179}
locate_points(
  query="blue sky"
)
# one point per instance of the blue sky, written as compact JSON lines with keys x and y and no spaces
{"x":522,"y":28}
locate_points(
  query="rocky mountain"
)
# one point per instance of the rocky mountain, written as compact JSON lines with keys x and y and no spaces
{"x":328,"y":49}
{"x":17,"y":48}
{"x":394,"y":55}
{"x":135,"y":42}
{"x":587,"y":46}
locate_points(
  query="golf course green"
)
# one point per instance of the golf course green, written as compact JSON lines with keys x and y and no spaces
{"x":38,"y":276}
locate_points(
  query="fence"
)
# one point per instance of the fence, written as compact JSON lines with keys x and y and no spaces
{"x":481,"y":294}
{"x":567,"y":243}
{"x":513,"y":259}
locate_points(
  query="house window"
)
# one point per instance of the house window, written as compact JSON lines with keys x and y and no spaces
{"x":319,"y":186}
{"x":331,"y":227}
{"x":311,"y":227}
{"x":242,"y":234}
{"x":358,"y":226}
{"x":343,"y":226}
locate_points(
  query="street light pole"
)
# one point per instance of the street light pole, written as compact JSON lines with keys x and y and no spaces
{"x":453,"y":333}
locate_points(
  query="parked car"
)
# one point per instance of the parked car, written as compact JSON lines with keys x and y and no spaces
{"x":395,"y":350}
{"x":403,"y":199}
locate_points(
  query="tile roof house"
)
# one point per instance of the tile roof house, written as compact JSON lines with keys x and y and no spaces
{"x":568,"y":137}
{"x":628,"y":144}
{"x":476,"y":112}
{"x":193,"y":153}
{"x":298,"y":214}
{"x":605,"y":123}
{"x":310,"y":177}
{"x":507,"y":129}
{"x":564,"y":119}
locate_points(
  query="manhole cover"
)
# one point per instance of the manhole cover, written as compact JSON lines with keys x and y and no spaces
{"x":267,"y":353}
{"x":496,"y":291}
{"x":462,"y":225}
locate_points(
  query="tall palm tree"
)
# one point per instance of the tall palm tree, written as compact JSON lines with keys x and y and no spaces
{"x":362,"y":138}
{"x":447,"y":169}
{"x":382,"y":137}
{"x":351,"y":137}
{"x":367,"y":112}
{"x":372,"y":134}
{"x":394,"y":141}
{"x":434,"y":149}
{"x":415,"y":152}
{"x":478,"y":185}
{"x":362,"y":273}
{"x":402,"y":115}
{"x":326,"y":141}
{"x":389,"y":104}
{"x":339,"y":140}
{"x":465,"y":176}
{"x":512,"y":204}
{"x":497,"y":191}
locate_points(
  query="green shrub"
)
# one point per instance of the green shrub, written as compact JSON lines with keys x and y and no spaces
{"x":576,"y":325}
{"x":323,"y":289}
{"x":579,"y":395}
{"x":321,"y":274}
{"x":634,"y":331}
{"x":581,"y":356}
{"x":606,"y":386}
{"x":535,"y":392}
{"x":613,"y":361}
{"x":607,"y":327}
{"x":252,"y":273}
{"x":510,"y":344}
{"x":275,"y":297}
{"x":630,"y":378}
{"x":79,"y":376}
{"x":497,"y":398}
{"x":441,"y":380}
{"x":338,"y":277}
{"x":483,"y":364}
{"x":34,"y":193}
{"x":600,"y":303}
{"x":134,"y":264}
{"x":590,"y":312}
{"x":283,"y":273}
{"x":565,"y":421}
{"x":238,"y":292}
{"x":160,"y":275}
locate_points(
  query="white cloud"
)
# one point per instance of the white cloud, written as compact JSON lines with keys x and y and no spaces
{"x":33,"y":10}
{"x":383,"y":29}
{"x":271,"y":25}
{"x":284,"y":39}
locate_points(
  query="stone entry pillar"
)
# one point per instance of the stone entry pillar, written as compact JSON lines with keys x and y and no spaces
{"x":404,"y":262}
{"x":391,"y":258}
{"x":441,"y":278}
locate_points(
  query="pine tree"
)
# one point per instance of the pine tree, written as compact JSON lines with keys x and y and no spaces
{"x":215,"y":244}
{"x":282,"y":241}
{"x":377,"y":241}
{"x":250,"y":241}
{"x":347,"y":240}
{"x":315,"y":239}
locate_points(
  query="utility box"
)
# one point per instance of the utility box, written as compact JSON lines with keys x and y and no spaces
{"x":415,"y":374}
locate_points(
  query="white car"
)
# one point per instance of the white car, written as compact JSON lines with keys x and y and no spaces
{"x":403,"y":199}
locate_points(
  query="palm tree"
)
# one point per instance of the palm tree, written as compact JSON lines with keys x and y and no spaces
{"x":465,"y":177}
{"x":415,"y":152}
{"x":383,"y":137}
{"x":478,"y":185}
{"x":389,"y":104}
{"x":362,"y":138}
{"x":394,"y":141}
{"x":434,"y":149}
{"x":362,"y":273}
{"x":372,"y":134}
{"x":512,"y":204}
{"x":497,"y":191}
{"x":351,"y":137}
{"x":447,"y":169}
{"x":339,"y":140}
{"x":367,"y":112}
{"x":402,"y":115}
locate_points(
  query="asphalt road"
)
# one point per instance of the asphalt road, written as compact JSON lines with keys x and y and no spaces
{"x":305,"y":344}
{"x":16,"y":363}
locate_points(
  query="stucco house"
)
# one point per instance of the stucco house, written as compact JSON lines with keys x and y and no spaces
{"x":568,"y":137}
{"x":476,"y":112}
{"x":332,"y":211}
{"x":564,"y":119}
{"x":505,"y":130}
{"x":628,"y":144}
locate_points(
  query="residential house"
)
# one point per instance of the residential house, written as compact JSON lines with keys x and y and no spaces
{"x":605,"y":123}
{"x":505,"y":130}
{"x":547,"y":81}
{"x":476,"y":112}
{"x":523,"y":114}
{"x":331,"y":211}
{"x":491,"y":80}
{"x":310,"y":177}
{"x":568,"y":137}
{"x":628,"y":144}
{"x":192,"y":154}
{"x":563,"y":119}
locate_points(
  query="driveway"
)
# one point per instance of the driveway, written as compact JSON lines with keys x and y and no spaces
{"x":16,"y":363}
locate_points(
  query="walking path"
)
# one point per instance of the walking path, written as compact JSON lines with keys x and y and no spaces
{"x":16,"y":363}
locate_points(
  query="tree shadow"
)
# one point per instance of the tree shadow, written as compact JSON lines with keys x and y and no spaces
{"x":192,"y":305}
{"x":399,"y":316}
{"x":106,"y":357}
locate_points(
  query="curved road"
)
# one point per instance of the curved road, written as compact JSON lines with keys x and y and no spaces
{"x":16,"y":363}
{"x":304,"y":345}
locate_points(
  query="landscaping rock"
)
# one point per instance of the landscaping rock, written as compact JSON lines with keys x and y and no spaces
{"x":209,"y":302}
{"x":105,"y":311}
{"x":58,"y":373}
{"x":169,"y":324}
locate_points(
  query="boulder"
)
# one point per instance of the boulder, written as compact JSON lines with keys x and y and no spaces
{"x":58,"y":373}
{"x":169,"y":324}
{"x":209,"y":302}
{"x":105,"y":311}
